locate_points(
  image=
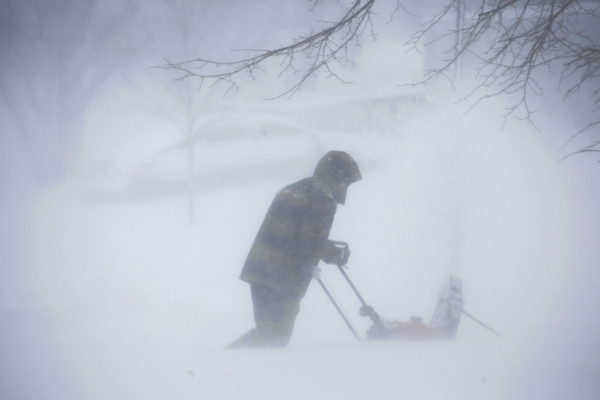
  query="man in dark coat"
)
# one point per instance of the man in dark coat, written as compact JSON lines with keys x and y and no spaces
{"x":288,"y":246}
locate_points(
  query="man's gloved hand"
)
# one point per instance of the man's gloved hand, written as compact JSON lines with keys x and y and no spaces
{"x":335,"y":254}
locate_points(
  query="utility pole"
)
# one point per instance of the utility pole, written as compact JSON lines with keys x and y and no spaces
{"x":460,"y":7}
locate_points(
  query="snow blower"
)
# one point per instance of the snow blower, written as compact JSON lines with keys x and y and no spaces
{"x":444,"y":323}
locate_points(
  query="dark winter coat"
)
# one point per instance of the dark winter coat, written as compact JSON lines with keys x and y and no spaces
{"x":289,"y":243}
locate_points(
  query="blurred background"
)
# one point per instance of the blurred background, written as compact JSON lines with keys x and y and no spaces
{"x":129,"y":198}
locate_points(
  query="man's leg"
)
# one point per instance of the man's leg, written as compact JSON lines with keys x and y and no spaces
{"x":275,"y":312}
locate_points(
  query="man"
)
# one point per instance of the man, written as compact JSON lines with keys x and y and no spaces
{"x":288,"y":246}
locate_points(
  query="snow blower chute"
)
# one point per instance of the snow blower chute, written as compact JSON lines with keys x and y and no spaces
{"x":444,"y":323}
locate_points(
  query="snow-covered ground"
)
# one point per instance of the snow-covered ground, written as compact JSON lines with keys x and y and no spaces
{"x":128,"y":301}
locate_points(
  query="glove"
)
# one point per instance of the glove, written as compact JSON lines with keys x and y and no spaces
{"x":335,"y":254}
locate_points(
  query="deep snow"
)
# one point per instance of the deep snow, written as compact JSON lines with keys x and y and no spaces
{"x":128,"y":301}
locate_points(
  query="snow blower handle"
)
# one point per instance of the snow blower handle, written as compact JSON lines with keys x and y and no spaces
{"x":345,"y":249}
{"x":365,"y":310}
{"x":339,"y":310}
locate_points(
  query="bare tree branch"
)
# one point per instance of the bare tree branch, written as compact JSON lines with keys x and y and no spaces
{"x":513,"y":40}
{"x":520,"y":38}
{"x":322,"y":49}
